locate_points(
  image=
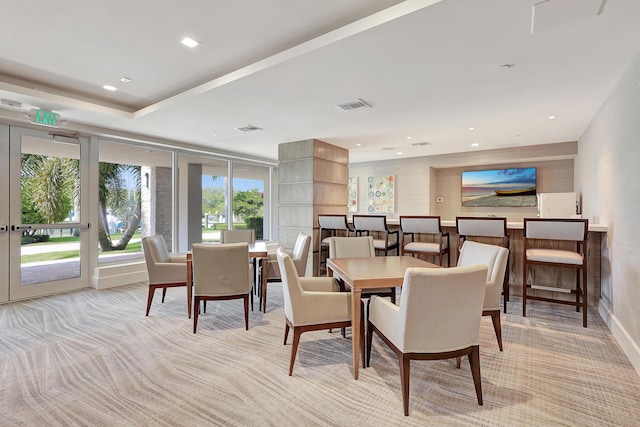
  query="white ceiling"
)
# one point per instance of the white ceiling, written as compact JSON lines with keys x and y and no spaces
{"x":430,"y":70}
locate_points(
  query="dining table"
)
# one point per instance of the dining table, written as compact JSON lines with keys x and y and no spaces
{"x":257,"y":251}
{"x":370,"y":273}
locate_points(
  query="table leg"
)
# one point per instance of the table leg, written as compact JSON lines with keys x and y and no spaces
{"x":264,"y":262}
{"x":355,"y":327}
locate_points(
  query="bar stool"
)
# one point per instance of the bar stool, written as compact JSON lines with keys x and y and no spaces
{"x":414,"y":226}
{"x":548,"y":232}
{"x":489,"y":227}
{"x":330,"y":225}
{"x":366,"y":224}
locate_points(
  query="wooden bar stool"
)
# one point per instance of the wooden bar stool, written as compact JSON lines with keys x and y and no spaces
{"x":330,"y":226}
{"x":541,"y":241}
{"x":488,"y":227}
{"x":438,"y":244}
{"x":364,"y":225}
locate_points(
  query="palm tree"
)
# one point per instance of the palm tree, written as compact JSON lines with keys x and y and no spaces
{"x":52,"y":186}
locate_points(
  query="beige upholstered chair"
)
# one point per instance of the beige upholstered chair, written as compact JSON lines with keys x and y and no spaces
{"x":299,"y":256}
{"x":435,"y":242}
{"x":491,"y":230}
{"x":221,"y":272}
{"x":495,"y":258}
{"x":165,"y":270}
{"x":310,"y":303}
{"x":541,"y":238}
{"x":367,"y":224}
{"x":438,"y":318}
{"x":357,"y":247}
{"x":330,"y":225}
{"x":238,"y":236}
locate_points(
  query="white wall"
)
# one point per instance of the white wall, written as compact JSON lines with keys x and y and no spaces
{"x":607,"y":173}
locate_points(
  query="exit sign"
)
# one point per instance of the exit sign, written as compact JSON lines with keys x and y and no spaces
{"x":45,"y":118}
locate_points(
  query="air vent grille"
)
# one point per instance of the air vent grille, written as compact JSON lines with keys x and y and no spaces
{"x":353,"y":105}
{"x":417,"y":144}
{"x":249,"y":128}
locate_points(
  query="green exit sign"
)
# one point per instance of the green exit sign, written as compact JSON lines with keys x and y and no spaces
{"x":44,"y":117}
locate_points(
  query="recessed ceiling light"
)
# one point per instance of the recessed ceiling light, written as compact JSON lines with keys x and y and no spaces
{"x":552,"y":117}
{"x":125,"y":79}
{"x":108,"y":87}
{"x":189,"y":42}
{"x":358,"y":145}
{"x":409,"y":137}
{"x":475,"y":144}
{"x":472,"y":128}
{"x":216,"y":134}
{"x":399,"y":152}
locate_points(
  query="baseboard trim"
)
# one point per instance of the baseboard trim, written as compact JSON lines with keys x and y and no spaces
{"x":630,"y":348}
{"x":111,"y":276}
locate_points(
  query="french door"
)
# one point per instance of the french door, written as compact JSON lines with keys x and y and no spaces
{"x":45,"y":224}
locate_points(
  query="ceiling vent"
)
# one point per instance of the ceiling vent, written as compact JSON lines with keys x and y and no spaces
{"x":249,"y":128}
{"x":417,"y":144}
{"x":353,"y":105}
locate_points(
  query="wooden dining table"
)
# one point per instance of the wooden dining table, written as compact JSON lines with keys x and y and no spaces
{"x":257,"y":251}
{"x":369,"y":273}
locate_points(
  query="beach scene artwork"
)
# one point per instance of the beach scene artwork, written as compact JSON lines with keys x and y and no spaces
{"x":499,"y":187}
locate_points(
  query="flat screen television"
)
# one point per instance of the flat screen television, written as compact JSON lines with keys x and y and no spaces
{"x":499,"y":187}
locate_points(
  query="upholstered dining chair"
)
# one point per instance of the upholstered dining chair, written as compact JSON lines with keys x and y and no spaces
{"x":495,"y":258}
{"x":221,"y":272}
{"x":542,"y":240}
{"x":165,"y":270}
{"x":310,"y":304}
{"x":387,"y":240}
{"x":357,"y":247}
{"x":238,"y":236}
{"x":438,"y":318}
{"x":299,"y":256}
{"x":435,"y":242}
{"x":492,"y":230}
{"x":329,"y":225}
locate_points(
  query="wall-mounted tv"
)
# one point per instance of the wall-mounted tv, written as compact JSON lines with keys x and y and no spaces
{"x":499,"y":187}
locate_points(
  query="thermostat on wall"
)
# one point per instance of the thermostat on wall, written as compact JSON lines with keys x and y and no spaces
{"x":439,"y":199}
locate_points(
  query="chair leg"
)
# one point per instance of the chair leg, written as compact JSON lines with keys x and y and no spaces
{"x":286,"y":332}
{"x":585,"y":300}
{"x":246,"y":311}
{"x":505,"y":288}
{"x":164,"y":292}
{"x":524,"y":289}
{"x":294,"y":348}
{"x":405,"y":367}
{"x":497,"y":326}
{"x":196,"y":312}
{"x":264,"y":296}
{"x":474,"y":361}
{"x":152,"y":290}
{"x":369,"y":340}
{"x":393,"y":295}
{"x":458,"y":362}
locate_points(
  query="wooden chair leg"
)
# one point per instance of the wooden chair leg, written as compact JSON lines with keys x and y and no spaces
{"x":458,"y":362}
{"x":152,"y":290}
{"x":286,"y":332}
{"x":195,"y":313}
{"x":405,"y":368}
{"x":246,"y":311}
{"x":164,"y":292}
{"x":369,"y":340}
{"x":497,"y":326}
{"x":474,"y":361}
{"x":294,"y":348}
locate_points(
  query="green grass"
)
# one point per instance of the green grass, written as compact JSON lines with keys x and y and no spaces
{"x":62,"y":255}
{"x":72,"y":239}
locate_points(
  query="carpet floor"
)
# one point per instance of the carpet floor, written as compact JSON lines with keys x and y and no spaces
{"x":91,"y":358}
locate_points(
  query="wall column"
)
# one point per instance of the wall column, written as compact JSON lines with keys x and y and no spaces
{"x":313,"y":177}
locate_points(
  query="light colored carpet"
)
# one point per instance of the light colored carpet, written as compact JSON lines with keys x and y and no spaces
{"x":93,"y":358}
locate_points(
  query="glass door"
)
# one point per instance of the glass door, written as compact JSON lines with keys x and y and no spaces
{"x":4,"y":213}
{"x":48,"y":229}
